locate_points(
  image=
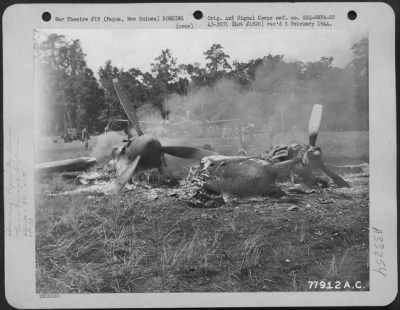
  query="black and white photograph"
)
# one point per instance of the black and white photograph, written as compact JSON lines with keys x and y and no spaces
{"x":201,"y":161}
{"x":199,"y":155}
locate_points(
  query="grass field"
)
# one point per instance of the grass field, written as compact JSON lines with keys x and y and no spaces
{"x":147,"y":240}
{"x":348,"y":146}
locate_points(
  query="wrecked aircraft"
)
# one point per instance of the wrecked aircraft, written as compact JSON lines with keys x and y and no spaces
{"x":238,"y":175}
{"x":143,"y":151}
{"x":247,"y":176}
{"x":309,"y":156}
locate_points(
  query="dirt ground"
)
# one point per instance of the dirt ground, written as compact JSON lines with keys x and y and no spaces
{"x":150,"y":239}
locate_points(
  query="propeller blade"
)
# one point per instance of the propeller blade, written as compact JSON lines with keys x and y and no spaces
{"x":187,"y":152}
{"x":335,"y":177}
{"x":128,"y":106}
{"x":119,"y":183}
{"x":314,"y":123}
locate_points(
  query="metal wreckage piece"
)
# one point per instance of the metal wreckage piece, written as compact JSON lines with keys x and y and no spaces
{"x":310,"y":159}
{"x":309,"y":156}
{"x":66,"y":165}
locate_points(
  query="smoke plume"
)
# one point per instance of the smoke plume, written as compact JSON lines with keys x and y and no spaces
{"x":278,"y":101}
{"x":105,"y":143}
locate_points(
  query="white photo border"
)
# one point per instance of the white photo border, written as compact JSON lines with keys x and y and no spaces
{"x":20,"y":20}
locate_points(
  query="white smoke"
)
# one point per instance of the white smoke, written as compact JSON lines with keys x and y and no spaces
{"x":105,"y":143}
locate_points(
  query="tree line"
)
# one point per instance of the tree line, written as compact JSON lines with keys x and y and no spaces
{"x":74,"y":96}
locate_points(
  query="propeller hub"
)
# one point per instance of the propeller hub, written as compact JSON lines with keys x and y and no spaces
{"x":312,"y":157}
{"x":316,"y":153}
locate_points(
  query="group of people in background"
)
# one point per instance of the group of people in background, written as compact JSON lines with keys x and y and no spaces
{"x":71,"y":136}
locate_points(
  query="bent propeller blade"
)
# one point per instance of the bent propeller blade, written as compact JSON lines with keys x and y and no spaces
{"x":335,"y":177}
{"x":314,"y":123}
{"x":127,"y":105}
{"x":187,"y":152}
{"x":125,"y":176}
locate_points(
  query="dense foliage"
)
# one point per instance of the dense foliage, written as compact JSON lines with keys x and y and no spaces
{"x":263,"y":90}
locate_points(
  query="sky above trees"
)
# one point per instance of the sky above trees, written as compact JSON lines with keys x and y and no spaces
{"x":131,"y":48}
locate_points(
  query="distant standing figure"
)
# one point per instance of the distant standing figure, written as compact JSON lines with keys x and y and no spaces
{"x":208,"y":146}
{"x":85,"y":137}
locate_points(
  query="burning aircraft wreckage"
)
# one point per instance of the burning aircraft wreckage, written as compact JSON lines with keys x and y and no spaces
{"x":215,"y":180}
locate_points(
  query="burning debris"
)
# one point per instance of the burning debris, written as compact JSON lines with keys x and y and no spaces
{"x":193,"y":192}
{"x":94,"y":177}
{"x":98,"y":189}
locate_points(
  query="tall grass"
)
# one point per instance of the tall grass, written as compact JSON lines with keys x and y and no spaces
{"x":128,"y":243}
